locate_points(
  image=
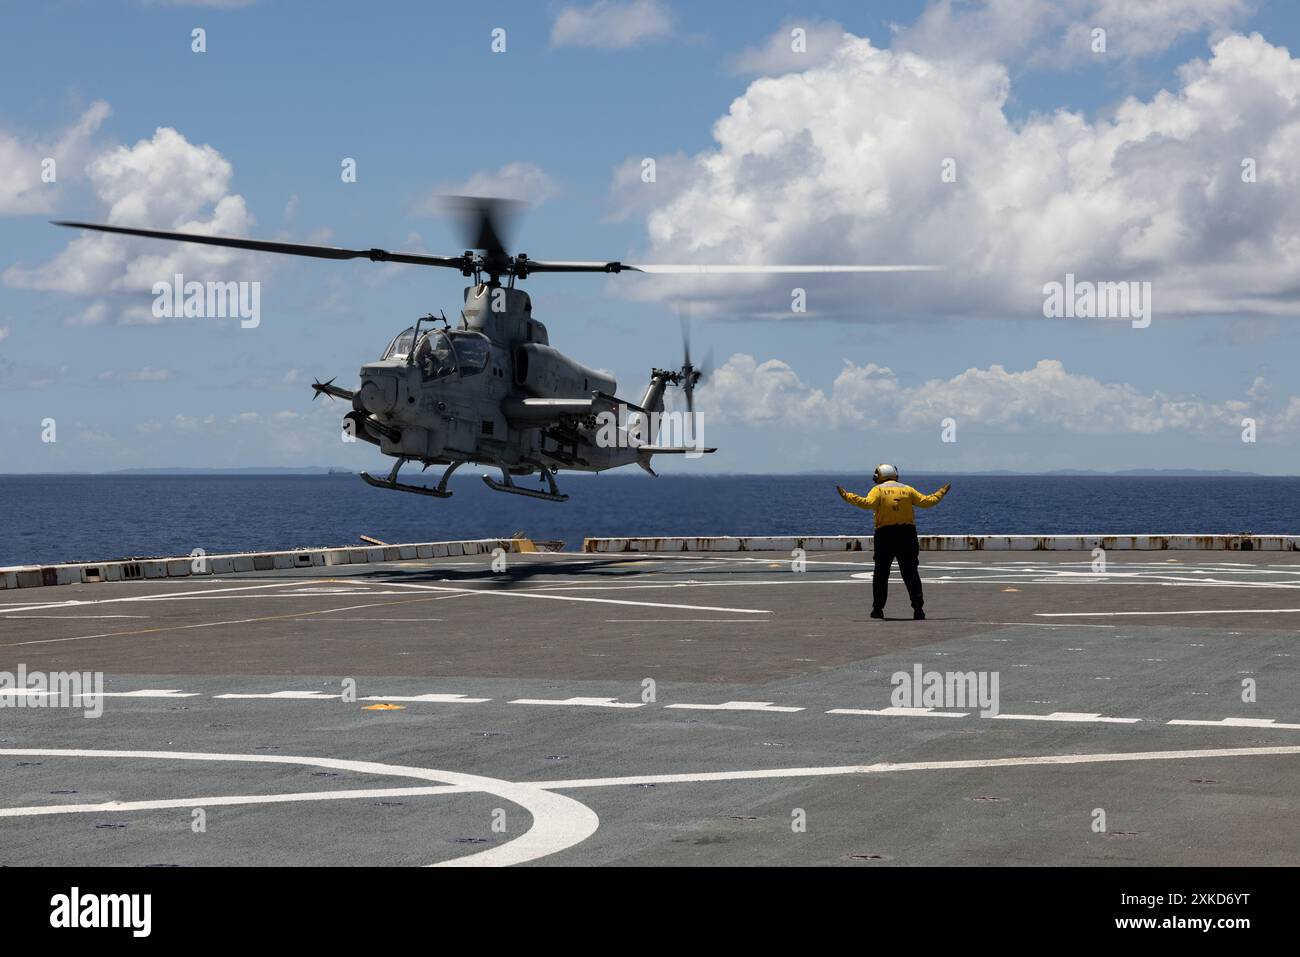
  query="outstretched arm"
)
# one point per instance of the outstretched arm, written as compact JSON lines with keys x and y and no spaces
{"x":861,"y":501}
{"x":929,"y":501}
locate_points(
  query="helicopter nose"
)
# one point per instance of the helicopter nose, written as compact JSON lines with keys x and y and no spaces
{"x":379,"y":395}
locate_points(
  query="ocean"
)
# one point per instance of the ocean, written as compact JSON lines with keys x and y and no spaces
{"x":46,"y":519}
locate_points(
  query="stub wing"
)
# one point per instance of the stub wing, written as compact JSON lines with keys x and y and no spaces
{"x":532,"y":412}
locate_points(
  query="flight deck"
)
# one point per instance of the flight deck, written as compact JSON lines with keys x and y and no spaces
{"x":671,"y":708}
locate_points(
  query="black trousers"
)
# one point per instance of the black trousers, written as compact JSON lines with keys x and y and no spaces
{"x":896,"y":542}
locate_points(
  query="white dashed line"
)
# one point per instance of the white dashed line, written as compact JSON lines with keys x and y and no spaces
{"x":1239,"y":723}
{"x":581,"y":702}
{"x":736,"y":706}
{"x":1086,"y":717}
{"x":901,"y":712}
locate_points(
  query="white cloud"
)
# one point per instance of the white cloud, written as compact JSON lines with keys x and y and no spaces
{"x":1045,"y":399}
{"x":631,"y":195}
{"x":22,"y":190}
{"x":612,"y":24}
{"x":780,"y":54}
{"x":96,"y":314}
{"x":1058,"y":33}
{"x":841,"y":164}
{"x":164,"y":182}
{"x":525,"y":182}
{"x":4,"y":333}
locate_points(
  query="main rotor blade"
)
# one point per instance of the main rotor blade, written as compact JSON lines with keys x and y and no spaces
{"x":738,"y":270}
{"x":539,"y":265}
{"x":485,"y":221}
{"x":291,"y":249}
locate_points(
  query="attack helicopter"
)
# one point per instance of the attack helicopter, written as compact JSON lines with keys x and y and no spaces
{"x":490,"y":389}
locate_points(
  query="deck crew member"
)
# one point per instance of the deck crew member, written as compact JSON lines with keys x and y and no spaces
{"x":895,"y":534}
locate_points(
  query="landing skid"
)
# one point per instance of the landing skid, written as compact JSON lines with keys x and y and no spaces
{"x":508,"y":485}
{"x":392,"y":483}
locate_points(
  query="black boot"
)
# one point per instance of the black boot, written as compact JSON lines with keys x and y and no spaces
{"x":877,"y":613}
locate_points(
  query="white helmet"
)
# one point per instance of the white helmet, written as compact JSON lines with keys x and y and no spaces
{"x":885,"y":473}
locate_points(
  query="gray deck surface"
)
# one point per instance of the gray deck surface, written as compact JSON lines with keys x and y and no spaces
{"x":568,"y":762}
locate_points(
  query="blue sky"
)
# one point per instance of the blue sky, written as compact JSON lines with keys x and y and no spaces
{"x":1147,"y":148}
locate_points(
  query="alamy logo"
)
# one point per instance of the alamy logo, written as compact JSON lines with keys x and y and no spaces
{"x":210,"y":300}
{"x":75,"y":909}
{"x":631,"y":430}
{"x":54,"y":689}
{"x":950,"y":689}
{"x":1098,"y":300}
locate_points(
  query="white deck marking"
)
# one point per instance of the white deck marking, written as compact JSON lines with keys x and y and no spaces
{"x":1086,"y":717}
{"x":504,"y":593}
{"x":290,"y":695}
{"x":558,"y":822}
{"x":711,"y":621}
{"x":78,"y":603}
{"x":736,"y":706}
{"x":46,"y":810}
{"x":888,"y":768}
{"x":433,"y":698}
{"x":1239,"y":723}
{"x":142,"y":693}
{"x":214,"y":624}
{"x":901,"y":712}
{"x":581,"y":702}
{"x":1130,"y":614}
{"x":67,"y":617}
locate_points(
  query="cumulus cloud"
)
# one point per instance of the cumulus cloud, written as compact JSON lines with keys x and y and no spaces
{"x":634,"y":192}
{"x":1058,"y":33}
{"x":1044,"y":399}
{"x":164,"y":182}
{"x":22,"y":189}
{"x":612,"y":24}
{"x":843,"y":163}
{"x":797,"y":45}
{"x":525,"y":182}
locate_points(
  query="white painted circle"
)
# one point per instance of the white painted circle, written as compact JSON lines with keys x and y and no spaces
{"x":559,"y":822}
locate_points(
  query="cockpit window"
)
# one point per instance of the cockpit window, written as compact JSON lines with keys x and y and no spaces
{"x":434,"y":355}
{"x":400,"y":347}
{"x":472,"y":351}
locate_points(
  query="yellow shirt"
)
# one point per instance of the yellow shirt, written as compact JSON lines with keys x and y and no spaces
{"x":892,"y":502}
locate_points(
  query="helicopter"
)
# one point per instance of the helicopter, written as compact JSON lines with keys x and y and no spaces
{"x":491,"y":389}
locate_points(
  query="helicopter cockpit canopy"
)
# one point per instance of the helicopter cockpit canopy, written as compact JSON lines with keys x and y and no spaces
{"x":439,"y":354}
{"x":400,"y":347}
{"x":473,"y":349}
